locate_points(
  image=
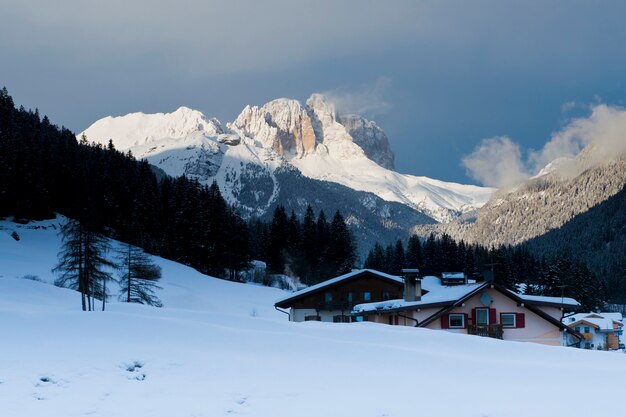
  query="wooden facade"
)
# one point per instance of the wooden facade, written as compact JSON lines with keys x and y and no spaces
{"x":334,"y":301}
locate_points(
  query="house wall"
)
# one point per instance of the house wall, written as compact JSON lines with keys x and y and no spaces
{"x":298,"y":314}
{"x":536,"y":330}
{"x":376,"y":286}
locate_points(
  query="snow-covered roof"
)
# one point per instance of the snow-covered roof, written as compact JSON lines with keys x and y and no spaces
{"x":604,"y":321}
{"x":437,"y":294}
{"x":457,"y":275}
{"x":338,"y":279}
{"x":541,"y":299}
{"x":441,"y":294}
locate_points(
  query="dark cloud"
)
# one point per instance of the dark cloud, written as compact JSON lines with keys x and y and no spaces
{"x":461,"y":71}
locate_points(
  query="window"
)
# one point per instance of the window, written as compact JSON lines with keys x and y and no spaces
{"x":577,"y":328}
{"x":587,"y":329}
{"x":367,"y":296}
{"x":482,"y":316}
{"x":456,"y":321}
{"x":508,"y":320}
{"x":386,"y":295}
{"x":328,"y":297}
{"x":341,"y":319}
{"x":350,"y":296}
{"x":312,"y":318}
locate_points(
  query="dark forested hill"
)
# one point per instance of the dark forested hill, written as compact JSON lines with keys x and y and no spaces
{"x":44,"y":170}
{"x":597,"y":237}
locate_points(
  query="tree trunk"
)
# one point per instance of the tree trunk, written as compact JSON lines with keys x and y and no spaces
{"x":129,"y":269}
{"x":104,"y":292}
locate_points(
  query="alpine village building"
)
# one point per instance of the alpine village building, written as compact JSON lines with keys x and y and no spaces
{"x":600,"y":331}
{"x":451,"y":303}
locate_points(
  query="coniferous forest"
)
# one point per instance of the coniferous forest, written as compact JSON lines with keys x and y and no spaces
{"x":514,"y":267}
{"x":45,"y":170}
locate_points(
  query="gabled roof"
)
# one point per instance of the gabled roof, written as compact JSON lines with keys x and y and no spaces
{"x":601,"y":321}
{"x":286,"y":302}
{"x":550,"y":301}
{"x":585,"y":323}
{"x":602,"y":315}
{"x":449,"y":297}
{"x":437,"y":296}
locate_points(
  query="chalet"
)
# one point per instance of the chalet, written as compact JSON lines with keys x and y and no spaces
{"x":484,"y":309}
{"x":599,"y":330}
{"x":333,"y":300}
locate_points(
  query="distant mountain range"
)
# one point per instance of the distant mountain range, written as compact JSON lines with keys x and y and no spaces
{"x":294,"y":154}
{"x":562,"y":191}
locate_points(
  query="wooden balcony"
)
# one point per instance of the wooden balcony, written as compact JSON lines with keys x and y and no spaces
{"x":588,"y":336}
{"x":490,"y":330}
{"x":334,"y":305}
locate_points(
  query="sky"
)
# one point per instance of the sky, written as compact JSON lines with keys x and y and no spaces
{"x":473,"y":92}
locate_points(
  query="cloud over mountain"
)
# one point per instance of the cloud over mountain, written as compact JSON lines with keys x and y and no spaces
{"x":499,"y":161}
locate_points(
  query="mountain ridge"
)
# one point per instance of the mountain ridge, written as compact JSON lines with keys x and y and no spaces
{"x":309,"y":137}
{"x":566,"y":189}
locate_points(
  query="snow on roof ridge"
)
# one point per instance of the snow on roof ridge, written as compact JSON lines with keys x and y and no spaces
{"x":338,"y":279}
{"x":441,"y":294}
{"x":548,"y":299}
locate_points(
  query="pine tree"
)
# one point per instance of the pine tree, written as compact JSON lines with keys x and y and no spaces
{"x":398,"y":262}
{"x":138,"y":277}
{"x":309,"y":246}
{"x":82,"y":263}
{"x":277,"y":241}
{"x":414,"y":257}
{"x":341,"y":252}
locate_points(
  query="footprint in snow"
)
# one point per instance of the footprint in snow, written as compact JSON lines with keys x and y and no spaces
{"x":135,"y":370}
{"x":240,"y":402}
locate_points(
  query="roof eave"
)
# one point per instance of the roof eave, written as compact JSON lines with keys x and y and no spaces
{"x":404,"y":308}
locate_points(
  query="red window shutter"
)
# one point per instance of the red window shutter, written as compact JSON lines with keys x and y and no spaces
{"x":492,"y":316}
{"x":474,"y":316}
{"x":520,"y":321}
{"x":445,"y":321}
{"x":465,"y":321}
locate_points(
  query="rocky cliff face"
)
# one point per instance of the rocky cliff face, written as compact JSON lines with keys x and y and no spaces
{"x":295,"y":130}
{"x":282,"y":125}
{"x":371,"y":138}
{"x":294,"y":154}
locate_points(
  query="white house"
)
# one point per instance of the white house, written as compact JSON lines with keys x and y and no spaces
{"x":483,"y":309}
{"x":599,"y":330}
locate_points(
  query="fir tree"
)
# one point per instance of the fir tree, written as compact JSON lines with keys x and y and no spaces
{"x":138,"y":277}
{"x":82,"y":263}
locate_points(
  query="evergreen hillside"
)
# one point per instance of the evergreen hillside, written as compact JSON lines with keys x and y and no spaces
{"x":44,"y":170}
{"x":597,"y":237}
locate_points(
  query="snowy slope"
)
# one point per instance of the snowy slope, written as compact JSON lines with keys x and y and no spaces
{"x":219,"y":349}
{"x":283,"y":132}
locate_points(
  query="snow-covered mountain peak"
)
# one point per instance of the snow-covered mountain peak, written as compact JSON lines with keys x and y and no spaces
{"x":371,"y":138}
{"x":312,"y":138}
{"x":322,"y":108}
{"x":138,"y":129}
{"x":281,"y":125}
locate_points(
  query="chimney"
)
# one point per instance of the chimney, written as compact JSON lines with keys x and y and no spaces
{"x":412,"y":285}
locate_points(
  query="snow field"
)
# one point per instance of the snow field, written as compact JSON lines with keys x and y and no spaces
{"x":219,"y":349}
